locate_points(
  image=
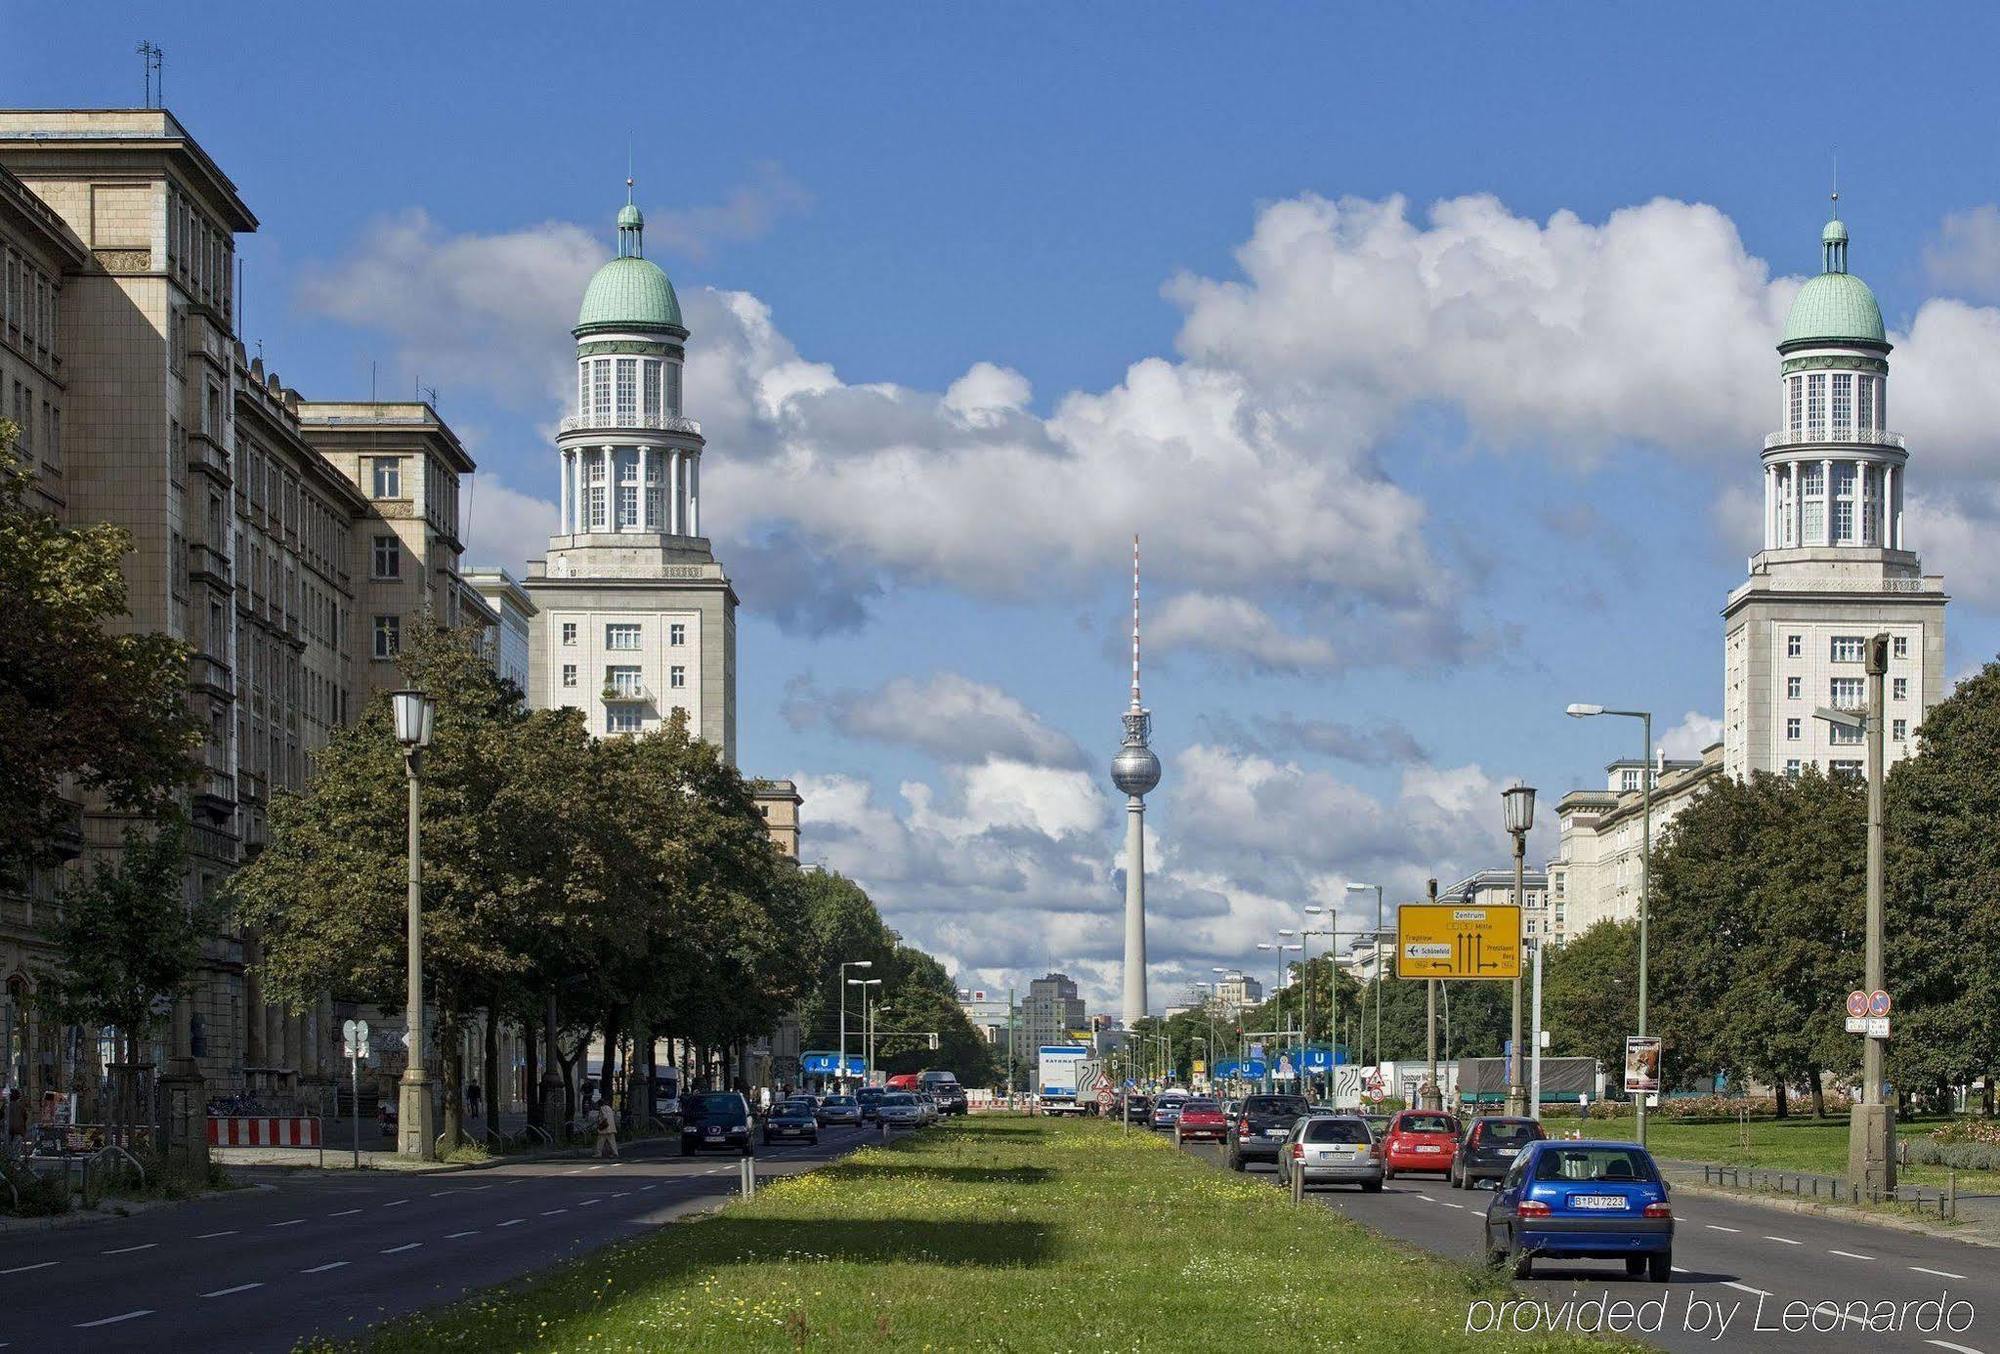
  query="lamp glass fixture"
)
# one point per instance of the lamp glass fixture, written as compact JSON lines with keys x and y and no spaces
{"x":1519,"y":801}
{"x":413,"y":714}
{"x":1581,"y":711}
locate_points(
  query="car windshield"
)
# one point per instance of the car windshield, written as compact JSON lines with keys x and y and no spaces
{"x":1199,"y":1107}
{"x":840,"y":1101}
{"x":723,"y":1104}
{"x":1428,"y":1123}
{"x":1605,"y":1165}
{"x":899,"y":1098}
{"x":871,"y":1093}
{"x":1275,"y":1104}
{"x":1509,"y":1130}
{"x":1336,"y":1130}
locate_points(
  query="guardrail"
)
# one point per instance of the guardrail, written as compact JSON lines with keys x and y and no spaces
{"x":1832,"y":1189}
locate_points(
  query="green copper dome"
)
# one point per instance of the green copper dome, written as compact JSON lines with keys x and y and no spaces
{"x":1836,"y":306}
{"x":630,"y":293}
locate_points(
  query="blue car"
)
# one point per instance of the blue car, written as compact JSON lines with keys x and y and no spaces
{"x":1567,"y":1200}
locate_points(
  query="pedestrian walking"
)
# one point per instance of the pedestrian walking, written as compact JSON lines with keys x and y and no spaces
{"x":472,"y":1098}
{"x":607,"y":1129}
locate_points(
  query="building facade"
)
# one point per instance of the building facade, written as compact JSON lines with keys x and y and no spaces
{"x":1051,"y":1011}
{"x":509,"y":638}
{"x":1595,"y":874}
{"x":1835,"y":567}
{"x":1234,"y":993}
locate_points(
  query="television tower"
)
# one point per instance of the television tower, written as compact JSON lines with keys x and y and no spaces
{"x":1135,"y":770}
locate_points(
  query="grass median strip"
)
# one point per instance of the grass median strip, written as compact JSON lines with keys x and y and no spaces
{"x":1004,"y":1233}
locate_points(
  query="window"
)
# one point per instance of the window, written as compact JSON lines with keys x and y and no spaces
{"x":569,"y":632}
{"x":628,"y":505}
{"x":1899,"y":729}
{"x":1792,"y":768}
{"x":1813,"y":491}
{"x":628,"y":391}
{"x":1795,"y":687}
{"x":621,"y":719}
{"x":388,"y":636}
{"x":388,"y":476}
{"x":677,"y":677}
{"x":1844,"y":768}
{"x":621,"y":636}
{"x":1847,"y":648}
{"x":673,"y":375}
{"x":569,"y":674}
{"x":677,"y":634}
{"x":1841,"y":733}
{"x":1843,"y":503}
{"x":650,"y":384}
{"x":1843,"y":403}
{"x":1798,"y":385}
{"x":1847,"y":693}
{"x":1899,"y":688}
{"x":388,"y":557}
{"x":1794,"y":645}
{"x":1816,"y":405}
{"x":1792,"y":730}
{"x":623,"y":680}
{"x":600,"y":391}
{"x":1901,"y":644}
{"x":1629,"y":781}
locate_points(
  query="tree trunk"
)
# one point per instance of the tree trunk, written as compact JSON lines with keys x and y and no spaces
{"x":532,"y":1048}
{"x":1783,"y":1097}
{"x":1986,"y":1099}
{"x":489,"y":1074}
{"x":451,"y":1073}
{"x":607,"y":1072}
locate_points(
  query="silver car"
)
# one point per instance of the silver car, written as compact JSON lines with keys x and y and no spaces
{"x":1331,"y":1149}
{"x":899,"y":1109}
{"x":843,"y":1110}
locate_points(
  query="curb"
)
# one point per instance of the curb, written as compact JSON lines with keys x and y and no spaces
{"x":1842,"y":1212}
{"x":85,"y":1217}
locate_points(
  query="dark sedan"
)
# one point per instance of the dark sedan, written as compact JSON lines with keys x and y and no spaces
{"x":1261,"y":1129}
{"x":793,"y":1121}
{"x":1489,"y":1146}
{"x":715,"y":1121}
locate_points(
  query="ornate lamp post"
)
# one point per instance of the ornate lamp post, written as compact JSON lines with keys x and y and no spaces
{"x":415,"y":1115}
{"x":1519,"y":801}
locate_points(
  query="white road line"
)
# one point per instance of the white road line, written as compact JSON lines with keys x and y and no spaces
{"x":511,"y":1222}
{"x":474,"y":1189}
{"x":644,"y":1188}
{"x":1959,"y":1349}
{"x":398,"y":1250}
{"x":1744,"y":1288}
{"x":225,"y":1292}
{"x":1940,"y":1273}
{"x":551,"y":1212}
{"x":1784,"y":1240}
{"x":395,"y":1203}
{"x":585,"y":1203}
{"x":127,"y":1250}
{"x":439,"y":1194}
{"x":1425,"y":1197}
{"x":578,"y":1171}
{"x":1850,"y":1255}
{"x":619,"y":1194}
{"x":596,"y":1168}
{"x":344,"y":1213}
{"x":1678,"y":1270}
{"x":23,"y":1269}
{"x":321,"y":1269}
{"x":288,"y":1222}
{"x":1449,"y":1204}
{"x":1717,"y":1227}
{"x":453,"y":1236}
{"x":114,"y":1320}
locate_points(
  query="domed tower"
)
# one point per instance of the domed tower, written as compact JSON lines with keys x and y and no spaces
{"x":637,"y":619}
{"x":1135,"y":771}
{"x":1835,"y":567}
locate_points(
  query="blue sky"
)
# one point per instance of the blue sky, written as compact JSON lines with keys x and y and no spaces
{"x":975,"y":295}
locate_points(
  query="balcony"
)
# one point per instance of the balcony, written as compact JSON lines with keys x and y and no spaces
{"x":206,"y":564}
{"x":1835,"y":437}
{"x":208,"y":456}
{"x":672,"y":423}
{"x":626,"y":693}
{"x":210,"y":675}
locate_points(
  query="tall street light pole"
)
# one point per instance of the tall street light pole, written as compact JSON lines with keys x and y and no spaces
{"x":1519,"y":802}
{"x":841,"y":1075}
{"x":415,"y":1114}
{"x":1645,"y":718}
{"x":1363,"y":888}
{"x":867,"y":1029}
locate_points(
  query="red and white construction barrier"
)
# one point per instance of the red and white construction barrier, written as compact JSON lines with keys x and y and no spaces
{"x":263,"y":1131}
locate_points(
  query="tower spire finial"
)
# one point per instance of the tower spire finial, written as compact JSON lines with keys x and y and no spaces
{"x":1836,"y":183}
{"x":1135,"y":621}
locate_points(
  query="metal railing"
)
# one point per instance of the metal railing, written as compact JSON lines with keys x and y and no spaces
{"x":1832,"y":1189}
{"x":672,"y":423}
{"x":1835,"y":437}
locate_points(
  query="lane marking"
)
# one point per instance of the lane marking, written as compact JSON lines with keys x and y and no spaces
{"x":1717,"y":1227}
{"x":1784,"y":1240}
{"x":321,"y":1269}
{"x":620,"y":1194}
{"x":439,"y":1194}
{"x":114,"y":1320}
{"x":1744,"y":1288}
{"x":1958,"y":1349}
{"x":644,"y":1188}
{"x":1940,"y":1273}
{"x":474,"y":1189}
{"x":453,"y":1236}
{"x":578,"y":1171}
{"x":585,"y":1203}
{"x":1449,"y":1204}
{"x":288,"y":1222}
{"x":23,"y":1269}
{"x":512,"y":1222}
{"x":1425,"y":1197}
{"x":1850,"y":1255}
{"x":398,"y":1250}
{"x":225,"y":1292}
{"x":127,"y":1250}
{"x":344,"y":1213}
{"x":1678,"y":1270}
{"x":596,"y":1168}
{"x":398,"y":1203}
{"x":551,"y":1212}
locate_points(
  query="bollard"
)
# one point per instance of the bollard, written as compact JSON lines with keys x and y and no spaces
{"x":1951,"y":1190}
{"x":885,"y":1131}
{"x":1298,"y":1183}
{"x":749,"y":1177}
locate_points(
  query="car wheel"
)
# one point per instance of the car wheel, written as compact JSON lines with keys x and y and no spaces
{"x":1635,"y":1265}
{"x":1660,"y":1266}
{"x":1453,"y":1176}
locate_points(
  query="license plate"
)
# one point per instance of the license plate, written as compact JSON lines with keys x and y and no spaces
{"x":1342,"y":1152}
{"x":1506,"y":1151}
{"x":1423,"y":1148}
{"x":1276,"y":1132}
{"x":1602,"y":1203}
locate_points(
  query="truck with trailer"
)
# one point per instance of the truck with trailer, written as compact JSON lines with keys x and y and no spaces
{"x":1060,"y":1067}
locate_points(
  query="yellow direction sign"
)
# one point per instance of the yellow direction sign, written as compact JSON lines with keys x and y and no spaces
{"x":1453,"y":940}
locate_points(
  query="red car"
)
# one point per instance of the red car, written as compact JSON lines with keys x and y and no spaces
{"x":1201,"y":1119}
{"x":1419,"y":1140}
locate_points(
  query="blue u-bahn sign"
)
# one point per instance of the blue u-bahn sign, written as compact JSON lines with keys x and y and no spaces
{"x":827,"y":1064}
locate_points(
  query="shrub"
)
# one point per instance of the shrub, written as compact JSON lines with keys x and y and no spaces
{"x":40,"y":1196}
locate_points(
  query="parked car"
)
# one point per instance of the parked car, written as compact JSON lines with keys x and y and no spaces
{"x":1568,"y":1200}
{"x":792,"y":1121}
{"x":1419,"y":1140}
{"x":840,"y":1110}
{"x":1331,"y":1149}
{"x":944,"y":1085}
{"x":1261,"y":1129}
{"x":870,"y":1099}
{"x":714,"y":1120}
{"x":1201,"y":1119}
{"x":899,"y":1109}
{"x":1489,"y":1146}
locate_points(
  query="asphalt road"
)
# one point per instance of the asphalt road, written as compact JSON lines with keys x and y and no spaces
{"x":261,"y":1268}
{"x":1736,"y":1262}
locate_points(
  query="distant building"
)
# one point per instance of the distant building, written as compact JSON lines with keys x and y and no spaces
{"x":1233,"y":994}
{"x":1493,"y":888}
{"x":1051,"y":1010}
{"x":1595,"y":875}
{"x":506,"y":641}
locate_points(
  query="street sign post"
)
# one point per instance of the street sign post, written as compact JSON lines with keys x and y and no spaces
{"x":1857,"y":1003}
{"x":355,"y":1033}
{"x":1450,"y":941}
{"x":1878,"y":1003}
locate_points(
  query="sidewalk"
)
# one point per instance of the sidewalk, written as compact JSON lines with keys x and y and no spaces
{"x":1976,"y":1218}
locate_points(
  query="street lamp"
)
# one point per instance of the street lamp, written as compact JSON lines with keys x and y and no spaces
{"x":1363,"y":888}
{"x":1519,"y":803}
{"x":867,"y":1028}
{"x":414,"y":714}
{"x":841,"y":1084}
{"x":1279,"y":947}
{"x":1645,"y":718}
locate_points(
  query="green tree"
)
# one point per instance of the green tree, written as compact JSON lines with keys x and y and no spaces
{"x":1590,"y":993}
{"x":80,"y":697}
